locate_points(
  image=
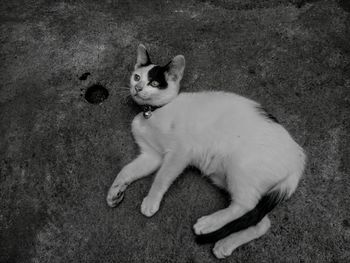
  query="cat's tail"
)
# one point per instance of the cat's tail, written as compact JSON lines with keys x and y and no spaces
{"x":264,"y":206}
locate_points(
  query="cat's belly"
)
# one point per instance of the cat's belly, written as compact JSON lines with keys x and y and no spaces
{"x":211,"y":165}
{"x":213,"y":169}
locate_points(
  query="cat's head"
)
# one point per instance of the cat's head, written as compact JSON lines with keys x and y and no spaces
{"x":155,"y":85}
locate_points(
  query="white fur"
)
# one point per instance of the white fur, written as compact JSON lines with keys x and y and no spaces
{"x":222,"y":134}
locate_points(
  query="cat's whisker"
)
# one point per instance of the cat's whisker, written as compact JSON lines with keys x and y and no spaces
{"x":124,"y":88}
{"x":122,"y":92}
{"x":125,"y":99}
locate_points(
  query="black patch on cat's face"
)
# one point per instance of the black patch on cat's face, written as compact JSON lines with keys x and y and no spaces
{"x":157,"y":73}
{"x":266,"y":114}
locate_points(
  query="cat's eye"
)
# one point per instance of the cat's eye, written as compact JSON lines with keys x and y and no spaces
{"x":137,"y":77}
{"x":154,"y":83}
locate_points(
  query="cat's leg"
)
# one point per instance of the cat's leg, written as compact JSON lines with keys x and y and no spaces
{"x":173,"y":164}
{"x":212,"y":222}
{"x":224,"y":247}
{"x":242,"y":185}
{"x":145,"y":164}
{"x":245,"y":197}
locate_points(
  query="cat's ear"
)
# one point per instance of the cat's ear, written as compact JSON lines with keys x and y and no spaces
{"x":176,"y":67}
{"x":143,"y":58}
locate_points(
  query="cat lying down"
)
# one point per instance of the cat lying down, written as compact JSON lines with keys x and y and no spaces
{"x":230,"y":138}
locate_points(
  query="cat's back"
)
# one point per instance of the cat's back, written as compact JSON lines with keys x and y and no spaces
{"x":213,"y":100}
{"x":209,"y":106}
{"x":228,"y":118}
{"x":204,"y":111}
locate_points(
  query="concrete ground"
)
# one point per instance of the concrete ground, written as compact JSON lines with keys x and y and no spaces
{"x":59,"y":154}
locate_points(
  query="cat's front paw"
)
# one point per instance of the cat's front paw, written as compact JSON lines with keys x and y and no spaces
{"x":149,"y":206}
{"x":115,"y":195}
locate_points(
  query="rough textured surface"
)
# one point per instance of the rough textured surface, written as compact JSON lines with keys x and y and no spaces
{"x":59,"y":154}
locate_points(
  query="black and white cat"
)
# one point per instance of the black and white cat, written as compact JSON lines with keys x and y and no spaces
{"x":231,"y":139}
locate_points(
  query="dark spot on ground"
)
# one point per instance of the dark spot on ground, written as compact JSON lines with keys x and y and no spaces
{"x":346,"y":223}
{"x":345,"y":4}
{"x":299,"y":3}
{"x":251,"y":70}
{"x":263,"y":83}
{"x":84,"y":76}
{"x":96,"y":94}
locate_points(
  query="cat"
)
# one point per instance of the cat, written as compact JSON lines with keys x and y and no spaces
{"x":230,"y":138}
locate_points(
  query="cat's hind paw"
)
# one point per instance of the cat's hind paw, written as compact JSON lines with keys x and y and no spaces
{"x":223,"y":249}
{"x":149,"y":206}
{"x":205,"y":224}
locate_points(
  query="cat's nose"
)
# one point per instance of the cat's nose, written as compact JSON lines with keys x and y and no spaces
{"x":138,"y":88}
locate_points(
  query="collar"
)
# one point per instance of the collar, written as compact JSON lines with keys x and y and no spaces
{"x":148,"y":109}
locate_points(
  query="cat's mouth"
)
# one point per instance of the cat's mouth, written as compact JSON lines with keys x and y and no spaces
{"x":139,"y":97}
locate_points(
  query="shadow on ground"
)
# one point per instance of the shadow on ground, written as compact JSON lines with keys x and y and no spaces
{"x":59,"y":154}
